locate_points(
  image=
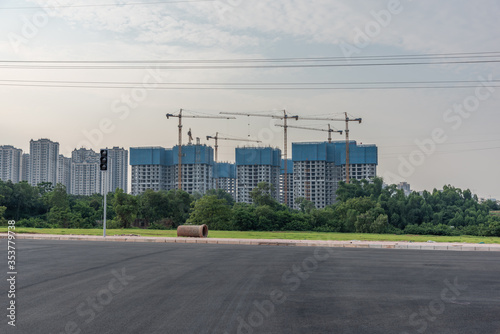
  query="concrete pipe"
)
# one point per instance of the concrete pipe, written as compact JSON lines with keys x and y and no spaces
{"x":194,"y":231}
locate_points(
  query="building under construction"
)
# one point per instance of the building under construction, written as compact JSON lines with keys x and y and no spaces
{"x":225,"y":177}
{"x":197,"y":168}
{"x":152,"y":168}
{"x":255,"y":165}
{"x":313,"y":173}
{"x":289,"y":183}
{"x":318,"y":167}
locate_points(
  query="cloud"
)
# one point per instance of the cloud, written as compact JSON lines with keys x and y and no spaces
{"x":422,"y":26}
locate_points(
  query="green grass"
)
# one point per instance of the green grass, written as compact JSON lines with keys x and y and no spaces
{"x":266,"y":235}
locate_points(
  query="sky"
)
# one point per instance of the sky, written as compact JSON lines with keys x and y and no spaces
{"x":428,"y":136}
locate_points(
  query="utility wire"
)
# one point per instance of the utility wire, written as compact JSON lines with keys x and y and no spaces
{"x":291,"y":59}
{"x":105,"y":5}
{"x":221,"y":67}
{"x":248,"y":88}
{"x":248,"y":83}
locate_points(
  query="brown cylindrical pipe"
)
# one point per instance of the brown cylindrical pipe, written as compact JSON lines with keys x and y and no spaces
{"x":194,"y":231}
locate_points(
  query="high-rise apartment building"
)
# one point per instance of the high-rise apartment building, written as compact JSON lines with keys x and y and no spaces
{"x":225,"y":177}
{"x":10,"y":163}
{"x":255,"y":165}
{"x":25,"y":169}
{"x":85,"y":173}
{"x":152,"y":168}
{"x":64,"y":172}
{"x":289,"y":183}
{"x":405,"y":186}
{"x":117,"y":169}
{"x":313,"y":173}
{"x":44,"y":156}
{"x":318,"y":167}
{"x":197,"y":167}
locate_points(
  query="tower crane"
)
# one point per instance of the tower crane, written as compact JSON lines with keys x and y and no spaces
{"x":330,"y":130}
{"x":217,"y":138}
{"x":180,"y":116}
{"x":346,"y":120}
{"x":285,"y":118}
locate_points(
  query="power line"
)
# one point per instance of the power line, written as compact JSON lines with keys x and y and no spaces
{"x":221,"y":67}
{"x":248,"y":83}
{"x":248,"y":88}
{"x":106,"y":5}
{"x":291,"y":59}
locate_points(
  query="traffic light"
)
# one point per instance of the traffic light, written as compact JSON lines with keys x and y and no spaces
{"x":104,"y":160}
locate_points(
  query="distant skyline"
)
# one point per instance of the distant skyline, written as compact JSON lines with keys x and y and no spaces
{"x":428,"y":137}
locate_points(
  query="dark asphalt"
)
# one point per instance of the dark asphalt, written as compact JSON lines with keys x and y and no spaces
{"x":96,"y":287}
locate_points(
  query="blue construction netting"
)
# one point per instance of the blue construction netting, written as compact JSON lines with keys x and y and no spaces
{"x":224,"y":170}
{"x":267,"y":156}
{"x":335,"y":152}
{"x":194,"y":154}
{"x":289,"y":166}
{"x":150,"y":156}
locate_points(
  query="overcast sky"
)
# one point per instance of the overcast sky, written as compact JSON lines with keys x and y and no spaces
{"x":428,"y":137}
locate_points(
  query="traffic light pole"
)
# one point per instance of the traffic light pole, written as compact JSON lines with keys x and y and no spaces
{"x":105,"y":204}
{"x":103,"y":166}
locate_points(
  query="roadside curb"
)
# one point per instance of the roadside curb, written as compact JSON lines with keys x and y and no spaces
{"x":272,"y":242}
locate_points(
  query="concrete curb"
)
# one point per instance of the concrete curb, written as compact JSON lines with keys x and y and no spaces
{"x":272,"y":242}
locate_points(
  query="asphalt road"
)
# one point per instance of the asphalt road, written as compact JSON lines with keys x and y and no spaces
{"x":96,"y":287}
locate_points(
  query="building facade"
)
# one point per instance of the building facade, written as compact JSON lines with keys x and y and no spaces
{"x":25,"y":168}
{"x":197,"y":167}
{"x":225,"y":177}
{"x":85,"y":173}
{"x":152,"y":168}
{"x":117,"y":169}
{"x":405,"y":186}
{"x":255,"y":165}
{"x":44,"y":156}
{"x":319,"y":167}
{"x":10,"y":163}
{"x":64,"y":172}
{"x":289,"y":183}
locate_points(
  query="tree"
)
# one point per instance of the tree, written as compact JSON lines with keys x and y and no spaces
{"x":126,"y":208}
{"x":3,"y":221}
{"x":305,"y":205}
{"x":492,"y":205}
{"x":45,"y":187}
{"x":262,"y":195}
{"x":26,"y":201}
{"x":62,"y":217}
{"x":154,"y":205}
{"x":179,"y":206}
{"x":86,"y":214}
{"x":221,"y":194}
{"x":380,"y":224}
{"x":58,"y":197}
{"x":266,"y":218}
{"x":212,"y":211}
{"x":243,"y":217}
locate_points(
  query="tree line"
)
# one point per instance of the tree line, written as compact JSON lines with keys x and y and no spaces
{"x":362,"y":206}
